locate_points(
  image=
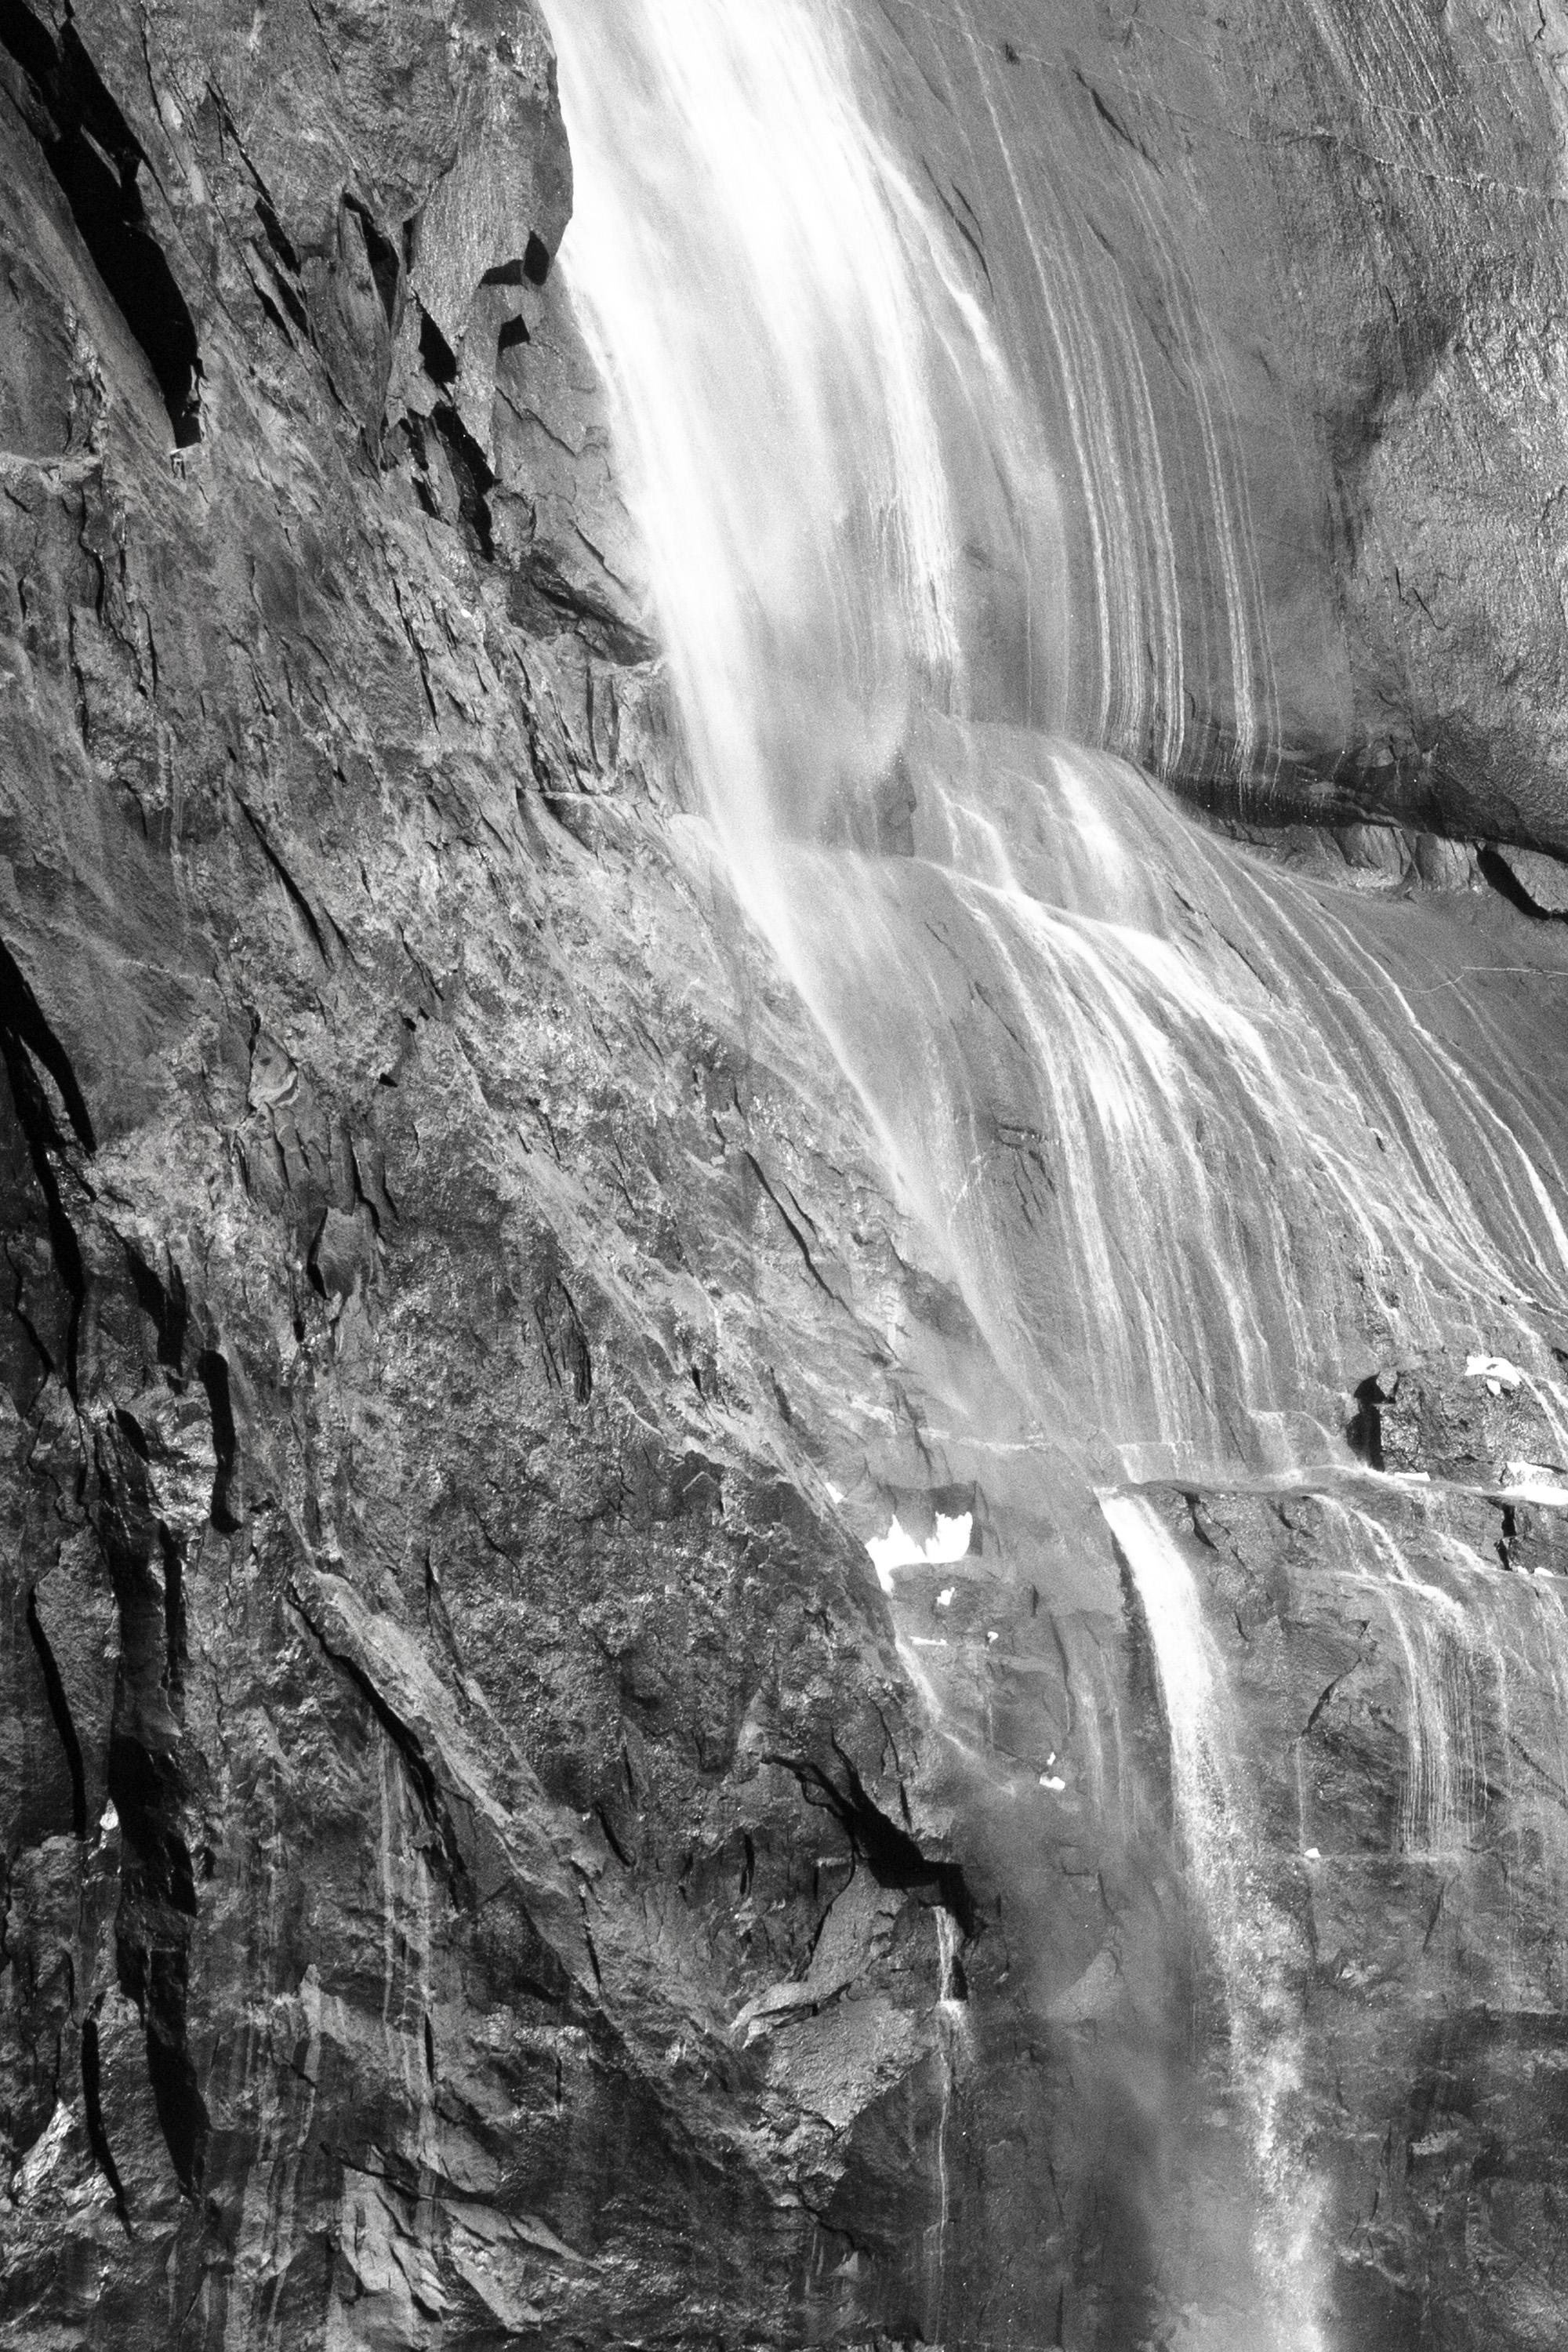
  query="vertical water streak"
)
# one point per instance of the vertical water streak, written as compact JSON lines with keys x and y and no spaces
{"x":1254,"y":1944}
{"x":1214,"y":1066}
{"x":738,"y":256}
{"x":1111,"y":523}
{"x":1228,"y":509}
{"x":1483,"y":1658}
{"x":1444,"y":1726}
{"x":953,"y":2043}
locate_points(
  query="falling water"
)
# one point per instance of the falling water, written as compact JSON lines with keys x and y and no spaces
{"x":1190,"y":1136}
{"x":1254,"y":1946}
{"x":744,"y":252}
{"x":1445,"y":1706}
{"x":952,"y":2046}
{"x":1127,"y":1077}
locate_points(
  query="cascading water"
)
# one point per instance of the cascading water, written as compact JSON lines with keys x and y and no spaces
{"x":740,"y":250}
{"x":1133,"y":1077}
{"x":1190,"y":1135}
{"x":1256,"y":1944}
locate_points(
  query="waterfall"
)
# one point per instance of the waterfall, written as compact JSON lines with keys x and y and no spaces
{"x":1127,"y":1079}
{"x":1191,"y":1136}
{"x":1256,"y":1948}
{"x":741,"y":248}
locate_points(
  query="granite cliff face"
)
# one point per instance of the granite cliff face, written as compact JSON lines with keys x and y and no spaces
{"x":485,"y":1859}
{"x":439,"y":1691}
{"x":1287,"y":288}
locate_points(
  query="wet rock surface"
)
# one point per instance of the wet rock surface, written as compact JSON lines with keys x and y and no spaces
{"x":484,"y":1858}
{"x":1398,"y":1704}
{"x":1287,"y":288}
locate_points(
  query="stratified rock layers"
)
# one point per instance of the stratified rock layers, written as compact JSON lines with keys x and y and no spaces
{"x":480,"y":1860}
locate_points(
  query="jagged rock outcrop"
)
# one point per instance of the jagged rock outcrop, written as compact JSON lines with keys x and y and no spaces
{"x":440,"y":1695}
{"x":484,"y":1859}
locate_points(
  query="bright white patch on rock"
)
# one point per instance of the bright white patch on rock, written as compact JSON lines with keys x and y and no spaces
{"x":1053,"y":1781}
{"x":1534,"y":1481}
{"x":1496,"y":1372}
{"x":897,"y":1549}
{"x":42,"y":2156}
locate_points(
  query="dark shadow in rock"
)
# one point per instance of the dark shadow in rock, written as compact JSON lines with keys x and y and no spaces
{"x":212,"y":1371}
{"x":1364,"y":1429}
{"x":177,"y":1649}
{"x":891,"y":1854}
{"x":60,"y":1709}
{"x":23,"y":1034}
{"x":176,"y":2093}
{"x":96,"y":2133}
{"x":95,"y":159}
{"x":1503,"y":873}
{"x":437,"y":357}
{"x":22,"y":1015}
{"x":163,"y":1304}
{"x":385,"y":268}
{"x":474,"y":479}
{"x":157,"y":1904}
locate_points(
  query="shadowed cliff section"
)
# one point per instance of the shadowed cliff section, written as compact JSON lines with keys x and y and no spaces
{"x":96,"y":162}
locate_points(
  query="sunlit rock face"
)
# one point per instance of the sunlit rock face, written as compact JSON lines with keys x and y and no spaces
{"x":1286,"y":287}
{"x":783,"y":1553}
{"x":441,"y":1693}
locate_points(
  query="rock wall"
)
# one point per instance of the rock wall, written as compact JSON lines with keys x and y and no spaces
{"x":440,"y":1692}
{"x":1287,"y":288}
{"x":484,"y":1858}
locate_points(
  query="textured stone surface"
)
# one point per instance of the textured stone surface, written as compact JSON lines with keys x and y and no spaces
{"x":1424,"y":1907}
{"x":1287,"y":285}
{"x":483,"y":1859}
{"x":439,"y":1692}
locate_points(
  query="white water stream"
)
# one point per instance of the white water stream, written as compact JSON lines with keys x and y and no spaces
{"x":1183,"y":1131}
{"x":1129,"y":1077}
{"x":1257,"y":1947}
